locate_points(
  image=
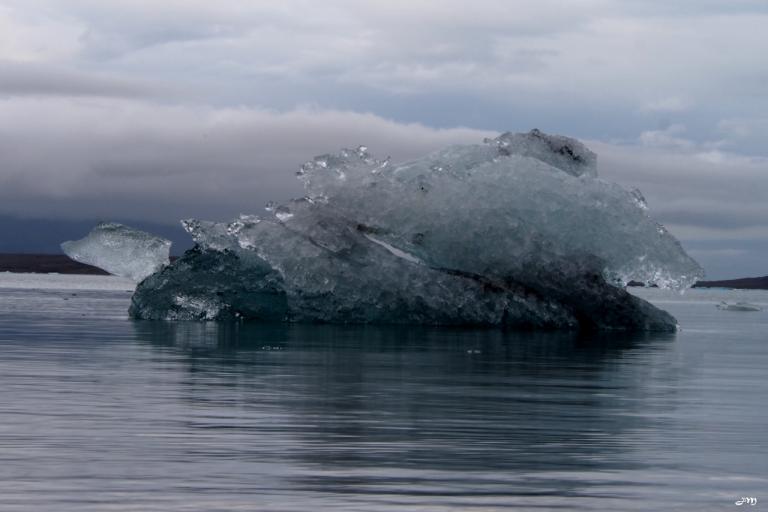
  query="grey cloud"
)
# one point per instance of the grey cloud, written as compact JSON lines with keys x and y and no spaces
{"x":687,"y":8}
{"x":693,"y":190}
{"x":110,"y":37}
{"x":401,"y":35}
{"x":729,"y":216}
{"x":748,"y":134}
{"x":18,"y":79}
{"x":697,"y":60}
{"x":731,"y":259}
{"x":127,"y":158}
{"x":576,"y":58}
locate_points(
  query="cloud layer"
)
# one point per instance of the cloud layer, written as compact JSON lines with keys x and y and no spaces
{"x":78,"y":157}
{"x":626,"y":65}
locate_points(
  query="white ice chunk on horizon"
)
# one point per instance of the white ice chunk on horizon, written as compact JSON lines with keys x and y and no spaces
{"x":738,"y":306}
{"x":517,"y":231}
{"x":121,"y":250}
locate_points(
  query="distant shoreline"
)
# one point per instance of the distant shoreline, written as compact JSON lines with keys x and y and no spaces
{"x":61,"y":264}
{"x":45,"y":264}
{"x":745,"y":283}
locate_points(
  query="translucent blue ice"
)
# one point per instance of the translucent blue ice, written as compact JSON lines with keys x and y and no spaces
{"x":517,"y":231}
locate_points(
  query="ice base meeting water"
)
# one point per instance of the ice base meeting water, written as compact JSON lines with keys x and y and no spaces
{"x":99,"y":412}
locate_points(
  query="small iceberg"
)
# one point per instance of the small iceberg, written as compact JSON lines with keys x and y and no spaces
{"x":738,"y":306}
{"x":120,"y":250}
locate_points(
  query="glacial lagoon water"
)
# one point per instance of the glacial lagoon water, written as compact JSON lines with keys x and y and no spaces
{"x":99,"y":412}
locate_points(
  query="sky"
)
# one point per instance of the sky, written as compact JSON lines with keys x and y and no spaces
{"x":157,"y":111}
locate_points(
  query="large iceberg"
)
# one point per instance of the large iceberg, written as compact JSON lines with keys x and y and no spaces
{"x":518,"y":231}
{"x":120,"y":250}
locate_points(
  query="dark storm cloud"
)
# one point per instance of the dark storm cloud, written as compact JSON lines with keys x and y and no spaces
{"x":75,"y":158}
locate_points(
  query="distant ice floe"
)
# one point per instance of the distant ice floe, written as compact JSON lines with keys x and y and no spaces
{"x":121,"y":251}
{"x":738,"y":306}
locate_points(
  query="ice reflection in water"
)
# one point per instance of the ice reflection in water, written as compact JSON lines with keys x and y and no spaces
{"x":424,"y":412}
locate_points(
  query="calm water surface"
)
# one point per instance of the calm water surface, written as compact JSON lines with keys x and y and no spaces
{"x":99,"y":413}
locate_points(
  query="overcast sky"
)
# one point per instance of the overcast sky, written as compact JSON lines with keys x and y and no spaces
{"x":159,"y":110}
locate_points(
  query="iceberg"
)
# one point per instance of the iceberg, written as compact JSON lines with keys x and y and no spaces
{"x":120,"y":250}
{"x":518,"y":231}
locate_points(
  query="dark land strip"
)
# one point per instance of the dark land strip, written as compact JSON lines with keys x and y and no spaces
{"x":44,"y":264}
